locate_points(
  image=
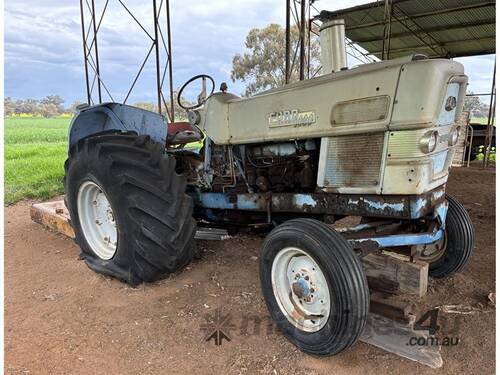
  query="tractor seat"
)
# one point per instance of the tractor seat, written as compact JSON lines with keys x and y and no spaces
{"x":181,"y":133}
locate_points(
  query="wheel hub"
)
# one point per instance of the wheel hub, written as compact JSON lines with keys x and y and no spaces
{"x":97,"y":220}
{"x":301,"y":289}
{"x":433,"y":252}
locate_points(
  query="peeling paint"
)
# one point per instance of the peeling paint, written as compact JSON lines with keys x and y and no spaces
{"x":390,"y":206}
{"x":385,"y":206}
{"x":302,"y":200}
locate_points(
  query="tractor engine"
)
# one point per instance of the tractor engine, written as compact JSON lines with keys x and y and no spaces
{"x":269,"y":167}
{"x":259,"y":168}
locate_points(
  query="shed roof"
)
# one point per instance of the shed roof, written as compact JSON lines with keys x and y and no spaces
{"x":436,"y":28}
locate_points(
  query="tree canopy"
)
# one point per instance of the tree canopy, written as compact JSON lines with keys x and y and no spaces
{"x":263,"y":66}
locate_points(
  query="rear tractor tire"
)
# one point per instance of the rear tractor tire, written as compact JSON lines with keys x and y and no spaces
{"x":128,"y":207}
{"x":314,"y":286}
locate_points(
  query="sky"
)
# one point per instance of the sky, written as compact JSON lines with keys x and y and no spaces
{"x":44,"y":56}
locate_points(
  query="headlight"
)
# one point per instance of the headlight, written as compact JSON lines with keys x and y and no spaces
{"x":429,"y":141}
{"x":453,"y":138}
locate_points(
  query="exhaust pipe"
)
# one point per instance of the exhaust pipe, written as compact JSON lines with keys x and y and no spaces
{"x":332,"y":41}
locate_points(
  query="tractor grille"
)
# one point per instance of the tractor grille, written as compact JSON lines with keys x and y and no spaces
{"x":354,"y":160}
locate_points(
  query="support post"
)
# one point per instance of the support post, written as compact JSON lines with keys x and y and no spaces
{"x":85,"y":62}
{"x":169,"y":62}
{"x":287,"y":43}
{"x":488,"y":136}
{"x":98,"y":71}
{"x":157,"y":55}
{"x":302,"y":53}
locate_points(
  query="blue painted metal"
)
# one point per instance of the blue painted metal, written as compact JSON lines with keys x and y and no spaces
{"x":331,"y":203}
{"x":402,"y":239}
{"x":421,"y":205}
{"x":440,"y":213}
{"x":116,"y":117}
{"x":384,"y":206}
{"x":221,"y":201}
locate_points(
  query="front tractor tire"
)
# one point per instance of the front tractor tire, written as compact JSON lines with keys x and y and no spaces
{"x":450,"y":255}
{"x":128,"y":207}
{"x":314,"y":286}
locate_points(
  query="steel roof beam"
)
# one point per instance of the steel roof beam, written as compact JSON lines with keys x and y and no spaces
{"x":414,"y":48}
{"x":432,"y":30}
{"x":418,"y":32}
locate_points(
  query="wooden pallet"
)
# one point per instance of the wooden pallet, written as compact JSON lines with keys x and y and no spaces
{"x":390,"y":322}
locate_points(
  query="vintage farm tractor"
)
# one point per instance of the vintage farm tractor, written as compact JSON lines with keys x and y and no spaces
{"x":374,"y":142}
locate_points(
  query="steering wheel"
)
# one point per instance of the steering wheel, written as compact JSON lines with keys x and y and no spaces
{"x":202,"y":97}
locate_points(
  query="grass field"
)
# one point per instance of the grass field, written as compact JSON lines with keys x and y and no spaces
{"x":35,"y":151}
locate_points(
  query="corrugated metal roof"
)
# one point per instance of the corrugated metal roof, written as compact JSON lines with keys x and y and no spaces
{"x":437,"y":28}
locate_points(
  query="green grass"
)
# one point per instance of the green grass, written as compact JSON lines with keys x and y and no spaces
{"x":479,"y":120}
{"x":35,"y":151}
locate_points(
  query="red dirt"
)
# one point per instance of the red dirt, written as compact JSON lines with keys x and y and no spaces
{"x":60,"y":317}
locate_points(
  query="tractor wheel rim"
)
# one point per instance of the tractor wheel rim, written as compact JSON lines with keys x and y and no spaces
{"x":433,"y":252}
{"x":300,"y":289}
{"x":97,"y":220}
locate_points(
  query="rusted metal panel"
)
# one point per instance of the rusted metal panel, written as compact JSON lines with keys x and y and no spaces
{"x":391,"y":206}
{"x":351,"y":161}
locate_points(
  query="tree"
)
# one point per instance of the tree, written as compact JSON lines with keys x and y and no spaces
{"x":475,"y":106}
{"x":55,"y":101}
{"x":49,"y":110}
{"x":264,"y":66}
{"x":472,"y":102}
{"x":9,"y":106}
{"x":27,"y":106}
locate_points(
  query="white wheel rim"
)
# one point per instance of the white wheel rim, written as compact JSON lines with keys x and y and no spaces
{"x":301,"y":289}
{"x":97,"y":220}
{"x":433,"y":252}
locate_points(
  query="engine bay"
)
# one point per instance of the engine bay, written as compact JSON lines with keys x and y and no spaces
{"x":253,"y":168}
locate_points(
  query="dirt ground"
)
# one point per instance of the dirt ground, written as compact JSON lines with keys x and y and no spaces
{"x":62,"y":318}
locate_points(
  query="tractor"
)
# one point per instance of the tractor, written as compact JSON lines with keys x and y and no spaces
{"x":374,"y":142}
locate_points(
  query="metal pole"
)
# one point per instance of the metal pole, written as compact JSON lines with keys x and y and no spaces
{"x":85,"y":53}
{"x":287,"y":43}
{"x":157,"y":53}
{"x":302,"y":37}
{"x":96,"y":53}
{"x":309,"y":21}
{"x":169,"y":61}
{"x":390,"y":32}
{"x":487,"y":137}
